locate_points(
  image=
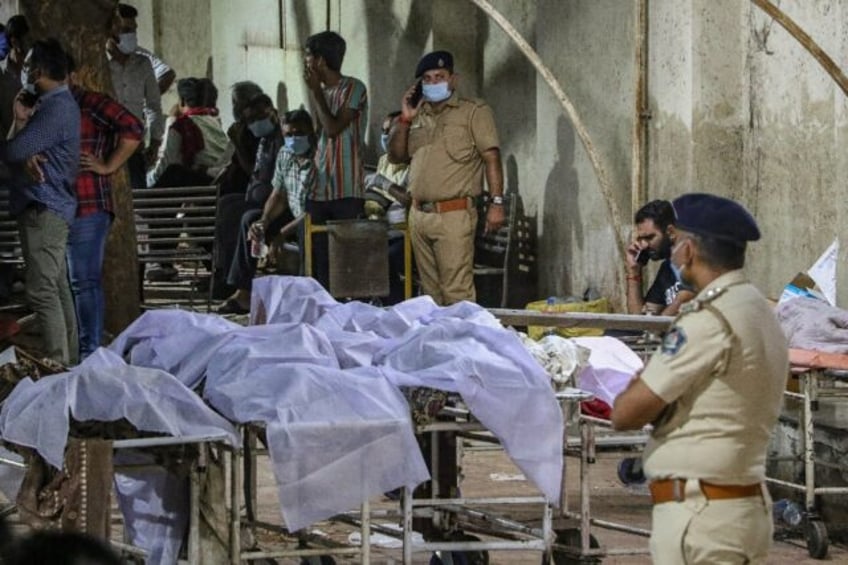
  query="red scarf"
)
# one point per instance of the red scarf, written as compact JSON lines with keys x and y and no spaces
{"x":192,"y":139}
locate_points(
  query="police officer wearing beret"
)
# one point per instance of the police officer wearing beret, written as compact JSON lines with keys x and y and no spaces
{"x":713,"y":393}
{"x":450,"y":143}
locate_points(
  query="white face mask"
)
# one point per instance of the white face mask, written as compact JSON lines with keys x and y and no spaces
{"x":436,"y":92}
{"x":25,"y":82}
{"x":127,"y":43}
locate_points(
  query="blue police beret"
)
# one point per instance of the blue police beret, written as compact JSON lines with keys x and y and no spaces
{"x":715,"y":216}
{"x":434,"y":60}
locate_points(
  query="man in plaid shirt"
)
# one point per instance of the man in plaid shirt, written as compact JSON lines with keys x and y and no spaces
{"x":110,"y":134}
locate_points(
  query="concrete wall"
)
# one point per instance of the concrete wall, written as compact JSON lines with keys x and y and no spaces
{"x":741,"y":109}
{"x":738,"y":107}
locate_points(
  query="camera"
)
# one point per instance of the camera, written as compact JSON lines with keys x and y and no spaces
{"x":417,"y":94}
{"x":643,"y":256}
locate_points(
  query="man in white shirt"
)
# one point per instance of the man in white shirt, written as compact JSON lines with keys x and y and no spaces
{"x":136,"y":88}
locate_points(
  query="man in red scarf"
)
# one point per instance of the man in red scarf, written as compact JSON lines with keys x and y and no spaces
{"x":194,"y":144}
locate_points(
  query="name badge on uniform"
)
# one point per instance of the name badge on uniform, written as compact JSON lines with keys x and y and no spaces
{"x":673,"y":341}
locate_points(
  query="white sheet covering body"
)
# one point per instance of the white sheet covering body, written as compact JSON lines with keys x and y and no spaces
{"x":104,"y":388}
{"x":325,"y":384}
{"x":611,"y":367}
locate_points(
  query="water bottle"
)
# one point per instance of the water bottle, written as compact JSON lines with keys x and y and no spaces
{"x":789,"y":512}
{"x":258,"y":247}
{"x":550,"y":307}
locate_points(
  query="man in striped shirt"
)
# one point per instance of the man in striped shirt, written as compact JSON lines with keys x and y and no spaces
{"x":340,"y":104}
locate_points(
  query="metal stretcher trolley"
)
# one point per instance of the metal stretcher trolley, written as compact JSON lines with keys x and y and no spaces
{"x":820,"y":376}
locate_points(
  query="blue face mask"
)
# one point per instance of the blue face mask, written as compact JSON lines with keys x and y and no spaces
{"x":261,"y":128}
{"x":4,"y":46}
{"x":297,"y":144}
{"x":436,"y":92}
{"x":384,"y":142}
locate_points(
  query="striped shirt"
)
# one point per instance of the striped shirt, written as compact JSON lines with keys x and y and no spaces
{"x":339,"y":159}
{"x":297,"y":176}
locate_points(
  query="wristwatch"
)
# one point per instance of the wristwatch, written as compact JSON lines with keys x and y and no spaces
{"x":496,"y":200}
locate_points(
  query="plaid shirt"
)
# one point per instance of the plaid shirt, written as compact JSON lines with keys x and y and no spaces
{"x":297,"y":177}
{"x":104,"y":122}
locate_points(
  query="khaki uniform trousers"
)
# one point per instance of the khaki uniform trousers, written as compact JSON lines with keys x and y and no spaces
{"x":701,"y":531}
{"x":443,"y":245}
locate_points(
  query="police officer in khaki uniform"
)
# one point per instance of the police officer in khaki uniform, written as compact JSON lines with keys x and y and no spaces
{"x":713,"y":393}
{"x":450,"y":142}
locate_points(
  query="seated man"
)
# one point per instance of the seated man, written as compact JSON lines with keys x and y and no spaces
{"x":194,"y":143}
{"x":294,"y":180}
{"x":262,"y":121}
{"x":385,"y":195}
{"x":667,"y":292}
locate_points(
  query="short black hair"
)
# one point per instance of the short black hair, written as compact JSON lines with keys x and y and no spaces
{"x":17,"y":27}
{"x":299,"y":117}
{"x":661,"y":212}
{"x":259,"y":102}
{"x":720,"y":253}
{"x":330,"y":46}
{"x":127,"y":11}
{"x":49,"y":57}
{"x":243,"y":92}
{"x":189,"y":91}
{"x":61,"y":548}
{"x":208,"y":93}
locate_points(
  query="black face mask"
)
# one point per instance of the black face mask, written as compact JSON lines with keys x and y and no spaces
{"x":664,"y":251}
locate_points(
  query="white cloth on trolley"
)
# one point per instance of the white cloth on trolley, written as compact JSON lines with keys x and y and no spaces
{"x":104,"y":388}
{"x":323,"y":376}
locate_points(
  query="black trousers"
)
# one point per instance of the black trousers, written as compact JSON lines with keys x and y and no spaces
{"x":243,"y":266}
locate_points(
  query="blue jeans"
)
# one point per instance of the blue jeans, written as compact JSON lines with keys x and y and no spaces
{"x":86,"y":248}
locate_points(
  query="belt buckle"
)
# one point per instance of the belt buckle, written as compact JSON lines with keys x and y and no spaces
{"x":678,"y":487}
{"x":428,"y":207}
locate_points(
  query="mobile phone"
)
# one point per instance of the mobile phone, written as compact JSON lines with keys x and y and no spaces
{"x":28,"y":99}
{"x":417,"y":94}
{"x":643,"y":256}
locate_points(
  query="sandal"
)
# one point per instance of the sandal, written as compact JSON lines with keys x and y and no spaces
{"x":231,"y":306}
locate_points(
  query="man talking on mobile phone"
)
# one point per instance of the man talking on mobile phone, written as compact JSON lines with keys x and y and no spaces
{"x":651,"y":243}
{"x":451,"y":144}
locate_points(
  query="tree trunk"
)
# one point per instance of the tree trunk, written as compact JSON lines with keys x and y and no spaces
{"x":83,"y":26}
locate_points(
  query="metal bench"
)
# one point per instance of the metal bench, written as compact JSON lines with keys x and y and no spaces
{"x":180,"y":223}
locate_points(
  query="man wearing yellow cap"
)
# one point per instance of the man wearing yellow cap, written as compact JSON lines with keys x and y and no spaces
{"x":450,"y":143}
{"x":713,"y":394}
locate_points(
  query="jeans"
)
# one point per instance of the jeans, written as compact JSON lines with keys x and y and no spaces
{"x":44,"y":239}
{"x":86,"y":248}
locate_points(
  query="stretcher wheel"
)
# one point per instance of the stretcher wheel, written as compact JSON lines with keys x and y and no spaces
{"x":630,"y":471}
{"x":461,"y":557}
{"x":571,"y":538}
{"x":817,"y":540}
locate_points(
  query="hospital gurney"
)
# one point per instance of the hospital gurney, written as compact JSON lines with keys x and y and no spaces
{"x":593,"y":432}
{"x":820,"y":376}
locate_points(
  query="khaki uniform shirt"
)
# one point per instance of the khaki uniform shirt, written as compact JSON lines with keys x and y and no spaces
{"x":722,"y":369}
{"x":446,"y":149}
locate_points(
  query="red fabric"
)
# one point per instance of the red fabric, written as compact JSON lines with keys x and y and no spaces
{"x":103,"y":122}
{"x":191,"y":138}
{"x":596,"y":408}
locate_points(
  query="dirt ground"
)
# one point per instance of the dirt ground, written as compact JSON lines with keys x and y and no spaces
{"x":490,"y":473}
